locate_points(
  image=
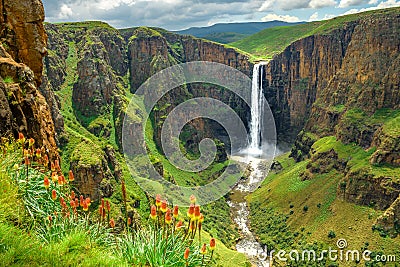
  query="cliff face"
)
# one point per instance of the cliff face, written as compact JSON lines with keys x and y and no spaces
{"x":316,"y":80}
{"x":23,"y":33}
{"x":344,"y":84}
{"x":23,"y":108}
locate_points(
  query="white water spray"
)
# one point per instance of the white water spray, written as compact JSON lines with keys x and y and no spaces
{"x":257,"y":107}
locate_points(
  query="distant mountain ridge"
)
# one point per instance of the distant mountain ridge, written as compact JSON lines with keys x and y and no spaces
{"x":230,"y":32}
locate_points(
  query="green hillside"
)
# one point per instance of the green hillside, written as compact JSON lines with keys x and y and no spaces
{"x":269,"y":42}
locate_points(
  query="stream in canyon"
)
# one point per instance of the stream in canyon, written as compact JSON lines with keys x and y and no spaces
{"x":248,"y":245}
{"x":256,"y":159}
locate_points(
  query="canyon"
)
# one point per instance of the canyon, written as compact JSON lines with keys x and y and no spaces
{"x":337,"y":87}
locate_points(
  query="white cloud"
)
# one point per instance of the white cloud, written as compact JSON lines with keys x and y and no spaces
{"x":347,"y":3}
{"x":381,"y":5}
{"x":373,"y":2}
{"x":321,"y":3}
{"x":287,"y":18}
{"x":387,"y":4}
{"x":313,"y":17}
{"x":267,"y":5}
{"x":65,"y":12}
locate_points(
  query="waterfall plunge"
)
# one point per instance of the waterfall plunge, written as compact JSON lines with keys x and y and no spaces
{"x":257,"y":107}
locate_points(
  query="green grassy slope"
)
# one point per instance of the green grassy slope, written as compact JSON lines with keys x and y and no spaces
{"x":269,"y":42}
{"x":290,"y":212}
{"x":80,"y":139}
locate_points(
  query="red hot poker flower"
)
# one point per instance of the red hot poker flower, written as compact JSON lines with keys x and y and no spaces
{"x":191,"y":211}
{"x":212,"y":244}
{"x":108,"y":207}
{"x":71,"y":176}
{"x":158,"y":200}
{"x":203,"y":249}
{"x":168,"y":218}
{"x":179,"y":225}
{"x":21,"y":138}
{"x":176,"y":212}
{"x":153,"y":212}
{"x":112,"y":223}
{"x":85,"y":206}
{"x":54,"y":194}
{"x":81,"y":200}
{"x":197,"y":213}
{"x":186,"y":254}
{"x":46,"y":182}
{"x":164,"y":206}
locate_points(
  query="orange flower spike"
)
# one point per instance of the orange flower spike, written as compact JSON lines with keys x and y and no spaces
{"x":102,"y":203}
{"x":62,"y":201}
{"x":76,"y":203}
{"x":54,"y":177}
{"x":158,"y":200}
{"x":203,"y":249}
{"x":112,"y":223}
{"x":54,"y":194}
{"x":168,"y":218}
{"x":38,"y":153}
{"x":52,"y":167}
{"x":72,"y":203}
{"x":179,"y":225}
{"x":129,"y":221}
{"x":72,"y":195}
{"x":31,"y":142}
{"x":191,"y":211}
{"x":153,"y":212}
{"x":71,"y":177}
{"x":46,"y":182}
{"x":197,"y":213}
{"x":27,"y":161}
{"x":176,"y":212}
{"x":212,"y":244}
{"x":164,"y":206}
{"x":186,"y":254}
{"x":50,"y":218}
{"x":108,"y":207}
{"x":88,"y":202}
{"x":60,"y":181}
{"x":21,"y":138}
{"x":201,"y":219}
{"x":85,"y":206}
{"x":192,"y":199}
{"x":81,"y":200}
{"x":63,"y":179}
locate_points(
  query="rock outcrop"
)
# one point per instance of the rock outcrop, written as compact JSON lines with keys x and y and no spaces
{"x":92,"y":173}
{"x":318,"y":78}
{"x":23,"y":108}
{"x":23,"y":34}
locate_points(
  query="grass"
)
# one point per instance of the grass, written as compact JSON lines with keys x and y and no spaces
{"x":288,"y":212}
{"x":269,"y":42}
{"x":88,"y":148}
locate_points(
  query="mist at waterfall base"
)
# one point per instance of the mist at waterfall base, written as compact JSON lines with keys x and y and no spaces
{"x":257,"y":146}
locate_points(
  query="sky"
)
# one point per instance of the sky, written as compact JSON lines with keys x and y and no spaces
{"x":182,"y":14}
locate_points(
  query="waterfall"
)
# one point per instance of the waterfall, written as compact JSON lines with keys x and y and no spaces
{"x":257,"y":106}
